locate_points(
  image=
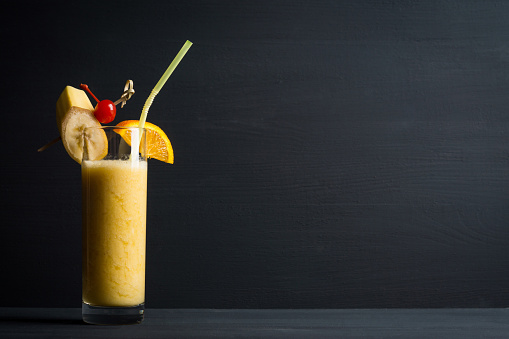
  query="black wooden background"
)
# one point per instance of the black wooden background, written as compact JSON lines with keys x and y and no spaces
{"x":328,"y":154}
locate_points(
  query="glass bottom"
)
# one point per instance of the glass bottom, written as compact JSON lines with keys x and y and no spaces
{"x":102,"y":315}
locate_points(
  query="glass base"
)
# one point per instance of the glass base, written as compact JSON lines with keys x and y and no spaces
{"x":102,"y":315}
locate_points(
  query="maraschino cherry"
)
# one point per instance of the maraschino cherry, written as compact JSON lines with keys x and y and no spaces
{"x":105,"y":110}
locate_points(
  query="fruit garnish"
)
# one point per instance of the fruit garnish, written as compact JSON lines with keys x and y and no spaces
{"x":74,"y":114}
{"x":73,"y":97}
{"x":158,"y":144}
{"x":105,"y":110}
{"x":74,"y":138}
{"x":70,"y":97}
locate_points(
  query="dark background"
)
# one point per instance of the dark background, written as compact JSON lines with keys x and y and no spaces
{"x":328,"y":154}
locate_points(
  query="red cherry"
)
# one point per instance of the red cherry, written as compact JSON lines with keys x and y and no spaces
{"x":105,"y":110}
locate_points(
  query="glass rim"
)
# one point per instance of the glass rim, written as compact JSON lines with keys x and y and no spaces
{"x":114,"y":127}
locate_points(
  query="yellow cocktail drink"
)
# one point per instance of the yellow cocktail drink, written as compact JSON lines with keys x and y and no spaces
{"x":114,"y":184}
{"x":114,"y":232}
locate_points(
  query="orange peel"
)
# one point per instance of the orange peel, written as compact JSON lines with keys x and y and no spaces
{"x":158,"y":145}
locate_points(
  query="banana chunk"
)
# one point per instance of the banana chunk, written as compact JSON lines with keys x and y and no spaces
{"x":71,"y":97}
{"x":75,"y":138}
{"x":74,"y":115}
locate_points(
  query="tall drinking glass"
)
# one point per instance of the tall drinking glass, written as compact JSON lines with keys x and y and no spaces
{"x":114,"y":198}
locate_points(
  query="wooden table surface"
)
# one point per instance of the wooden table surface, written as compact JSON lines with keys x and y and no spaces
{"x":281,"y":323}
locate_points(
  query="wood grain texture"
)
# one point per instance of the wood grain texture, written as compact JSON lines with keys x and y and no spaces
{"x":281,"y":323}
{"x":341,"y":154}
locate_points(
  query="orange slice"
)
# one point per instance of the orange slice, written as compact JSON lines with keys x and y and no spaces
{"x":158,"y":144}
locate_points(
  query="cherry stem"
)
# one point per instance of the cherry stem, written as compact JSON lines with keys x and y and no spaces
{"x":85,"y":87}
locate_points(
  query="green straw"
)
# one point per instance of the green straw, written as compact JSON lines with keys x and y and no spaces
{"x":162,"y":81}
